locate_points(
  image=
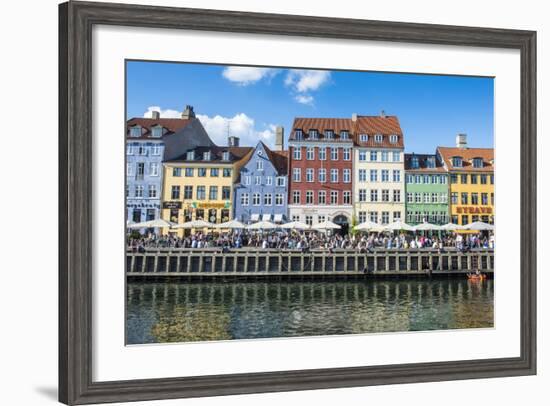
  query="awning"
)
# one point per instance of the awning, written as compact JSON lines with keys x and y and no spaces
{"x":278,"y":218}
{"x":266,"y":217}
{"x":255,"y":217}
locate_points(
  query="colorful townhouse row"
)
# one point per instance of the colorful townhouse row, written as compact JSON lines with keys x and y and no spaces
{"x":347,"y":170}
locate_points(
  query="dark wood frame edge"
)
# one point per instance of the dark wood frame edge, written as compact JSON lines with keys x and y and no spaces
{"x":76,"y":20}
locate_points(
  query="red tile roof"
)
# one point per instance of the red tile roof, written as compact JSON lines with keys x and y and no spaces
{"x":171,"y":124}
{"x":467,"y":155}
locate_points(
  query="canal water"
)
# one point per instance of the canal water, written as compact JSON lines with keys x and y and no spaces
{"x":202,"y":311}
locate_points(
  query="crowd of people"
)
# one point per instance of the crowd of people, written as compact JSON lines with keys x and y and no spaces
{"x":313,"y":241}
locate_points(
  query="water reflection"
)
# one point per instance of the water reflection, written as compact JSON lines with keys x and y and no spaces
{"x":203,"y":311}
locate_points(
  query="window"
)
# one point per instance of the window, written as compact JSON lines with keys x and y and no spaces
{"x":385,"y":175}
{"x":213,"y":193}
{"x":296,"y":197}
{"x":322,"y":175}
{"x":152,"y":191}
{"x":244,"y":199}
{"x":201,"y":192}
{"x":347,"y":197}
{"x":374,"y":195}
{"x":426,"y":197}
{"x":310,"y":153}
{"x":409,"y":178}
{"x":259,"y":165}
{"x":362,"y":155}
{"x":443,"y":198}
{"x":269,"y":180}
{"x":155,"y":149}
{"x":473,"y":179}
{"x":418,"y":197}
{"x":139,"y":191}
{"x":475,"y":198}
{"x":396,"y":195}
{"x":206,"y":156}
{"x":309,"y":175}
{"x":362,"y":175}
{"x":344,"y":135}
{"x":321,"y":219}
{"x":435,"y":179}
{"x":309,"y":197}
{"x":322,"y":153}
{"x":347,"y":175}
{"x":297,"y":153}
{"x":313,"y":134}
{"x":280,"y":181}
{"x":385,"y":195}
{"x":247,"y":179}
{"x":430,"y":162}
{"x":140,"y":170}
{"x":322,"y":197}
{"x":226,"y":192}
{"x":373,"y":216}
{"x":393,"y":138}
{"x":410,"y":197}
{"x":454,"y":219}
{"x":454,"y":178}
{"x":464,"y":198}
{"x":214,"y":172}
{"x":464,"y":219}
{"x":373,"y":175}
{"x":189,"y":172}
{"x":396,"y":156}
{"x":201,"y":172}
{"x":346,"y":153}
{"x":456,"y":161}
{"x":268,"y":198}
{"x":443,"y":179}
{"x":464,"y":179}
{"x":483,"y":179}
{"x":362,"y":195}
{"x":396,"y":215}
{"x":334,"y":175}
{"x":374,"y":156}
{"x":385,"y":217}
{"x":257,"y":180}
{"x":396,"y":175}
{"x":478,"y":163}
{"x":188,"y":192}
{"x":334,"y":153}
{"x":135,"y":131}
{"x":175,"y":192}
{"x":492,"y":178}
{"x":129,"y":150}
{"x":256,"y":199}
{"x":492,"y":199}
{"x":297,"y":175}
{"x":156,"y":131}
{"x":418,"y":179}
{"x":190,"y":155}
{"x":385,"y":156}
{"x":363,"y":137}
{"x":454,"y":197}
{"x":226,"y":172}
{"x":362,"y":216}
{"x":435,"y":197}
{"x":329,"y":134}
{"x":484,"y":199}
{"x":333,"y":197}
{"x":142,"y":150}
{"x":298,"y":134}
{"x":378,"y":138}
{"x":176,"y":172}
{"x":279,"y":199}
{"x":414,"y":162}
{"x":309,"y":220}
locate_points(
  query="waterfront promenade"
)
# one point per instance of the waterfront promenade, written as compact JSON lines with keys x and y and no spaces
{"x":250,"y":262}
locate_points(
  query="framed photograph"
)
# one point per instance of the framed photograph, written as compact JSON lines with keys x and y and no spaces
{"x":260,"y":202}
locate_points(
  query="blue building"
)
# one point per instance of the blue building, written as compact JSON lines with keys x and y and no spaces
{"x":149,"y":142}
{"x":261,"y":191}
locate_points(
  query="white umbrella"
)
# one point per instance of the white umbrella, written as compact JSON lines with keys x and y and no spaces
{"x":427,"y":226}
{"x":195,"y":224}
{"x":295,"y":225}
{"x":479,"y":226}
{"x":157,"y":223}
{"x":230,"y":224}
{"x":399,"y":225}
{"x":262,"y":225}
{"x":326,"y":225}
{"x":451,"y":227}
{"x":367,"y":225}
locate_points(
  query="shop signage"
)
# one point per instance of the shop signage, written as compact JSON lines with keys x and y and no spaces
{"x":171,"y":205}
{"x":474,"y":210}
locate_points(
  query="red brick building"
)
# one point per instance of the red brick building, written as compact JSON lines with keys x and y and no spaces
{"x":320,"y":170}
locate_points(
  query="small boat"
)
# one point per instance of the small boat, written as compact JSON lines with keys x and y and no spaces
{"x":476,"y":277}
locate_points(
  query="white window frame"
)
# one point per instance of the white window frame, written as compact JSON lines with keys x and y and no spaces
{"x":310,"y":175}
{"x":334,"y":175}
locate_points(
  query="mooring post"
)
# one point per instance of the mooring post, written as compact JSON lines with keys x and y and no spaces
{"x":132,"y":262}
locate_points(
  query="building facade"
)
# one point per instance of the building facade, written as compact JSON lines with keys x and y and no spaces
{"x":261,"y":193}
{"x":150,"y":141}
{"x":198,"y":185}
{"x":320,"y":171}
{"x":426,"y":190}
{"x":379,"y":190}
{"x":471,"y":182}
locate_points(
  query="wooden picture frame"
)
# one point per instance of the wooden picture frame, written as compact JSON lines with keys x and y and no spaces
{"x":76,"y":20}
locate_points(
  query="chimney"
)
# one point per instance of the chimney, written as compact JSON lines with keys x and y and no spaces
{"x":233,"y":141}
{"x":383,"y":114}
{"x":279,"y":138}
{"x":461,"y":141}
{"x":188,"y":112}
{"x":155,"y":115}
{"x":354,"y":117}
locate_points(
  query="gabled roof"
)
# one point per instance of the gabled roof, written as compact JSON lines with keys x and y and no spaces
{"x":172,"y":125}
{"x":279,"y":159}
{"x":216,"y":154}
{"x":423,"y":163}
{"x":467,"y":155}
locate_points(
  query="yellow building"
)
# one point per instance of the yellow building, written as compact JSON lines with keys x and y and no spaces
{"x":199,"y":184}
{"x":471,"y":182}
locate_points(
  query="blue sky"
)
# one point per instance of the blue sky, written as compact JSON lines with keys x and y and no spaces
{"x":432,"y":109}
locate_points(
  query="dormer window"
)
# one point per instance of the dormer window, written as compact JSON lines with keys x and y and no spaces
{"x":457,"y":161}
{"x":156,"y":131}
{"x":414,"y":162}
{"x":329,"y":134}
{"x":298,"y":134}
{"x":190,"y":155}
{"x":225,"y":155}
{"x":478,"y":162}
{"x":313,"y":134}
{"x":135,"y":131}
{"x":344,"y":135}
{"x":207,"y":156}
{"x":393,"y":138}
{"x":363,"y":137}
{"x":430,"y":162}
{"x":378,"y":138}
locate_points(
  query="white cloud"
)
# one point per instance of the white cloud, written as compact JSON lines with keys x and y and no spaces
{"x":306,"y":80}
{"x":244,"y":75}
{"x":168,"y":113}
{"x":304,"y":99}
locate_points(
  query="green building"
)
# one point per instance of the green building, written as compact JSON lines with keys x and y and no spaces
{"x":426,"y":190}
